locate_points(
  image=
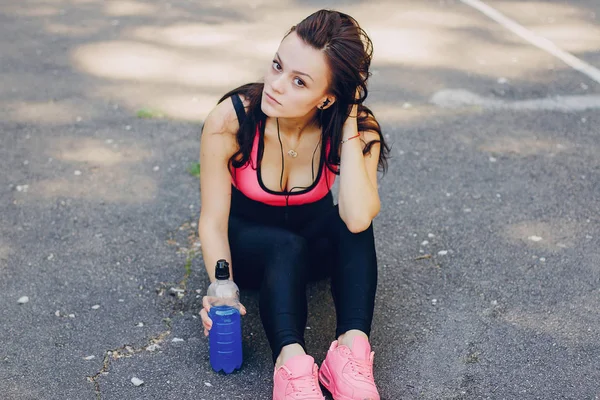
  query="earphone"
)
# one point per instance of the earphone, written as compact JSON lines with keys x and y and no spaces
{"x":325,"y":103}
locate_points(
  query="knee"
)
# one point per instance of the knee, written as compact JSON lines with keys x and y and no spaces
{"x":286,"y":263}
{"x":287,"y":259}
{"x":288,"y":248}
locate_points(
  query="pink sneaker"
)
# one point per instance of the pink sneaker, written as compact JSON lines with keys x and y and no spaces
{"x":297,"y":379}
{"x":348,"y":373}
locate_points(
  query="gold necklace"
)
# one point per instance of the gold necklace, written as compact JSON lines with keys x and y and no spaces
{"x":291,"y":152}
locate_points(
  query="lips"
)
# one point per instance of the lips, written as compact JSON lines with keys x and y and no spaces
{"x":272,"y":98}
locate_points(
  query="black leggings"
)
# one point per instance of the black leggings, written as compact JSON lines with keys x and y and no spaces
{"x":279,"y":259}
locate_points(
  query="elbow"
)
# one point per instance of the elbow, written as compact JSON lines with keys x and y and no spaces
{"x":358,"y":228}
{"x":358,"y":225}
{"x":202,"y":226}
{"x":209,"y":227}
{"x":360,"y":222}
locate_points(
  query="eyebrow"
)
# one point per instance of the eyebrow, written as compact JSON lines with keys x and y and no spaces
{"x":296,"y":72}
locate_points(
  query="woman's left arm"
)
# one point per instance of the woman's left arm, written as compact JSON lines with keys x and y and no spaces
{"x":358,"y":197}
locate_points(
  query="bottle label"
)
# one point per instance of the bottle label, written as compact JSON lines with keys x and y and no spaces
{"x":224,"y":311}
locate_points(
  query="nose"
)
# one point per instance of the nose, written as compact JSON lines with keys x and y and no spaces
{"x":277,"y":84}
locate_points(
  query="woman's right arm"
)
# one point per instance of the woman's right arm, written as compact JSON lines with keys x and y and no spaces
{"x":217,"y":144}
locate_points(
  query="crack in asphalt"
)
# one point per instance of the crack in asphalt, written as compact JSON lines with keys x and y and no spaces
{"x":126,"y":351}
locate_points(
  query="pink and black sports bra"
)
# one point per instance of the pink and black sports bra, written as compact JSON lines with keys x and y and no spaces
{"x":247,"y":179}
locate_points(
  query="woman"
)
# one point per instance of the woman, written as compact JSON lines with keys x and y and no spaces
{"x":269,"y":155}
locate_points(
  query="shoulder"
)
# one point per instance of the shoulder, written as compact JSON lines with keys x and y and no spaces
{"x":220,"y":129}
{"x":222,"y":118}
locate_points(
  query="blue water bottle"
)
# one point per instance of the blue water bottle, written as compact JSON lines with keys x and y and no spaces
{"x":225,"y":336}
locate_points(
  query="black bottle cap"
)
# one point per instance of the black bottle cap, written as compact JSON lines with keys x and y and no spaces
{"x":222,"y":270}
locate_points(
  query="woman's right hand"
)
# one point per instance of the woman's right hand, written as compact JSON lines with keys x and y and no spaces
{"x":206,"y":321}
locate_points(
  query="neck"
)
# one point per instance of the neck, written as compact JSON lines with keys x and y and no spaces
{"x":293,"y":127}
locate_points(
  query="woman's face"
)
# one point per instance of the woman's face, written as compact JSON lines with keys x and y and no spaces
{"x":296,"y":80}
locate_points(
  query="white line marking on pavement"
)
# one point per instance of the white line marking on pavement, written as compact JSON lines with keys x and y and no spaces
{"x":536,"y":40}
{"x":455,"y":98}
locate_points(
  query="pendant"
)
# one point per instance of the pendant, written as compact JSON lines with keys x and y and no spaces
{"x":292,"y":154}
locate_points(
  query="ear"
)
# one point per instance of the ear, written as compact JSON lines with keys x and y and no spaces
{"x":326,"y":102}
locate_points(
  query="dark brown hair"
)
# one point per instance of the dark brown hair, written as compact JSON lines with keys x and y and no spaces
{"x":348,"y":51}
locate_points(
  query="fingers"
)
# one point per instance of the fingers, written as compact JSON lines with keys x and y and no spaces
{"x":206,"y":321}
{"x":206,"y":303}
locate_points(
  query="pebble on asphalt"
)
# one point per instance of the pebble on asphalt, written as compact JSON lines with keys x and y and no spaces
{"x":88,"y":358}
{"x":443,"y":252}
{"x":136,"y":381}
{"x":152,"y":347}
{"x":23,"y":300}
{"x":534,"y":238}
{"x":95,"y":307}
{"x":175,"y":340}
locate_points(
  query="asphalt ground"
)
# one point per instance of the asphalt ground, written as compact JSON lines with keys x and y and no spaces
{"x":487,"y":239}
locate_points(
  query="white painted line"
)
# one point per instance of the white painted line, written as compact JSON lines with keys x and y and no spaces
{"x":536,"y":40}
{"x":457,"y":98}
